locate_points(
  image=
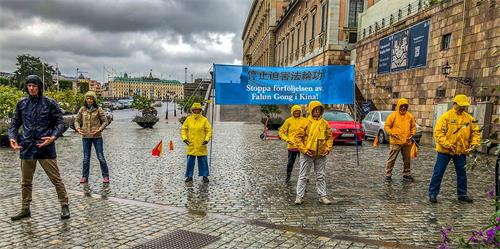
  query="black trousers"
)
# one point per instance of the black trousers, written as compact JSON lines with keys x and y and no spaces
{"x":292,"y":155}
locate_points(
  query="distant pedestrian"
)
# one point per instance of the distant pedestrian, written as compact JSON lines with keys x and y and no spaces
{"x":90,"y":122}
{"x":287,"y":133}
{"x":456,"y":135}
{"x":314,"y":142}
{"x":401,"y":127}
{"x":196,"y":133}
{"x":42,"y":123}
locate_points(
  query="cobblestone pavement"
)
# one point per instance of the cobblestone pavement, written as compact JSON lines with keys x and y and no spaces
{"x":247,"y":176}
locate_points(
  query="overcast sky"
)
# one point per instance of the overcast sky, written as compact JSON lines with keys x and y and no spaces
{"x":130,"y":36}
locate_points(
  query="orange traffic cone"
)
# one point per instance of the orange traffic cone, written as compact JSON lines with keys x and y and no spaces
{"x":171,"y":145}
{"x":375,"y":142}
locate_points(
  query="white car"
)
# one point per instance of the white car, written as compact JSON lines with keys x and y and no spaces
{"x":374,"y":126}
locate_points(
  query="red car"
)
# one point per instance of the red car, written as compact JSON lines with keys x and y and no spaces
{"x":344,"y":128}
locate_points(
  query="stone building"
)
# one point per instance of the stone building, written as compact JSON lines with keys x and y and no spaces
{"x":258,"y":34}
{"x":317,"y":32}
{"x":124,"y":87}
{"x":428,"y":53}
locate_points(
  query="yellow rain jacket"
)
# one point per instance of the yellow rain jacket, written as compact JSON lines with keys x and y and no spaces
{"x":316,"y":136}
{"x":290,"y":128}
{"x":196,"y":129}
{"x":458,"y":129}
{"x":400,"y":127}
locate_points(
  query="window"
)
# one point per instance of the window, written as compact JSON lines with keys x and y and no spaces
{"x":283,"y":50}
{"x":324,"y":17}
{"x":370,"y":63}
{"x":287,"y":45}
{"x":395,"y":95}
{"x":355,"y":7}
{"x":353,"y":37}
{"x":293,"y":37}
{"x":278,"y":56}
{"x":313,"y":24}
{"x":305,"y":30}
{"x":298,"y":36}
{"x":369,"y":116}
{"x":440,"y":93}
{"x":445,"y":41}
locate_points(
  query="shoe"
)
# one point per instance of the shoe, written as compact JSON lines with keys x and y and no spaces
{"x":65,"y":212}
{"x":324,"y":200}
{"x":205,"y":179}
{"x":298,"y":200}
{"x":433,"y":199}
{"x":388,"y":179}
{"x":83,"y":180}
{"x":105,"y":179}
{"x":188,"y":179}
{"x":408,"y":178}
{"x":287,"y":180}
{"x":25,"y":213}
{"x":465,"y":199}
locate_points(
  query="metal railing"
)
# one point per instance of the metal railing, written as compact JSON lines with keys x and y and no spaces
{"x":401,"y":14}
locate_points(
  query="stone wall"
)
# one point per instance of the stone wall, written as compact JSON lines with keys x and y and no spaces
{"x":473,"y":53}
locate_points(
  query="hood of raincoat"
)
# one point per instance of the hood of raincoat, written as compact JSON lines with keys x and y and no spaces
{"x":295,"y":108}
{"x":34,"y":79}
{"x":402,"y":101}
{"x":313,"y":104}
{"x":91,"y":94}
{"x":196,"y":106}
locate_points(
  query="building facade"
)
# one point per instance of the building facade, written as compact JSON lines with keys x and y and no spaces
{"x":317,"y":32}
{"x":150,"y":87}
{"x":428,"y":57}
{"x":258,"y":34}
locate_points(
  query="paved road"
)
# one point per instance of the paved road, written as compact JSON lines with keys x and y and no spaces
{"x":246,"y":195}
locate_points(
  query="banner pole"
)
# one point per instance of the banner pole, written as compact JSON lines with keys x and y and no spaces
{"x":212,"y":93}
{"x":355,"y":121}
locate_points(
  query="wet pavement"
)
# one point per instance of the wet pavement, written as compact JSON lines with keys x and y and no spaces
{"x":246,"y":202}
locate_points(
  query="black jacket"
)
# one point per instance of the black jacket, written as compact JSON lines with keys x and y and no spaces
{"x":39,"y":117}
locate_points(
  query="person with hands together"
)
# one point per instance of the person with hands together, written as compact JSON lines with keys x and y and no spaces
{"x":287,"y":132}
{"x":456,"y":134}
{"x":314,"y":142}
{"x":196,"y":133}
{"x":90,"y":122}
{"x":42,"y":123}
{"x":401,"y":127}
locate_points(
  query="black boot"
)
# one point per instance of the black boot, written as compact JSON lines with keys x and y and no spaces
{"x":64,"y":212}
{"x":205,"y":179}
{"x":188,"y":179}
{"x":25,"y":213}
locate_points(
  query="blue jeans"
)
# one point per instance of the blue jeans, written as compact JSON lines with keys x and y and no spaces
{"x":439,"y":169}
{"x":202,"y":165}
{"x":98,"y":145}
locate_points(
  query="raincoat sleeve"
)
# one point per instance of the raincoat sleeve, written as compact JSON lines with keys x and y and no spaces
{"x":440,"y":131}
{"x":300,"y":138}
{"x":283,"y":131}
{"x":78,"y":119}
{"x":58,"y":120}
{"x":208,"y":130}
{"x":476,"y":134}
{"x":102,"y":118}
{"x":388,"y":123}
{"x":329,"y":137}
{"x":184,"y":129}
{"x":15,"y":123}
{"x":413,"y":124}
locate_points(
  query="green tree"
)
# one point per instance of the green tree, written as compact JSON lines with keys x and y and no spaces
{"x":9,"y":96}
{"x":141,"y":103}
{"x":27,"y":65}
{"x":65,"y":85}
{"x":5,"y":81}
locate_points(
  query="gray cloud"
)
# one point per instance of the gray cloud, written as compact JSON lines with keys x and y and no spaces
{"x":128,"y":36}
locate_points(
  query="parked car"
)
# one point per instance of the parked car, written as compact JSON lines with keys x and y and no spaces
{"x":374,"y":126}
{"x":344,"y":128}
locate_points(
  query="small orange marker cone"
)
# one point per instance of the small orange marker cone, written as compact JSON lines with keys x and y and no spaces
{"x":171,"y":145}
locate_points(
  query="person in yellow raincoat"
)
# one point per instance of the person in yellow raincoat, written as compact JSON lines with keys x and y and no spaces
{"x":401,"y":127}
{"x":196,"y":133}
{"x":287,"y":132}
{"x":315,"y":142}
{"x":456,"y":135}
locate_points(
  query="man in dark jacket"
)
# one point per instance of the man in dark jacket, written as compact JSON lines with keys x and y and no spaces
{"x":42,"y":123}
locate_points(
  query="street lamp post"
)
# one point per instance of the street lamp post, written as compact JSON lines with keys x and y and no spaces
{"x":166,"y":115}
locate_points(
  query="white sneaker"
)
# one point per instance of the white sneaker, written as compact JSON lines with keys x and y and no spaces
{"x":298,"y":200}
{"x":324,"y":200}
